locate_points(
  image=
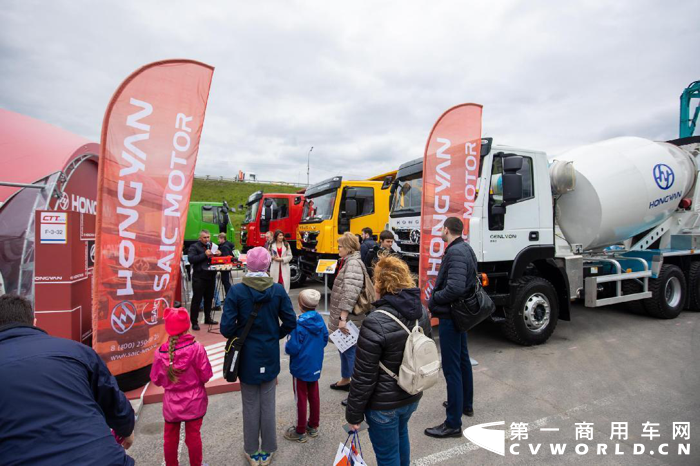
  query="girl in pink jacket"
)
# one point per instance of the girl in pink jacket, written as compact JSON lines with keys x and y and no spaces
{"x":181,"y":367}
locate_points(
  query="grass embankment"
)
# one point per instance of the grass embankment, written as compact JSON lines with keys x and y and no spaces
{"x":235,"y":194}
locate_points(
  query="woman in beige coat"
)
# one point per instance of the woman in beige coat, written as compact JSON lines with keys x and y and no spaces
{"x":281,"y":254}
{"x":346,"y":291}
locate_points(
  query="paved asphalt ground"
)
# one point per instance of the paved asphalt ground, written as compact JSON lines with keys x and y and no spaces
{"x":607,"y":365}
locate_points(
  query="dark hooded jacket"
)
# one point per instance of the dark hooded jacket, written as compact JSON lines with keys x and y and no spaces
{"x":383,"y":339}
{"x":260,"y":356}
{"x":58,"y":402}
{"x":305,"y":347}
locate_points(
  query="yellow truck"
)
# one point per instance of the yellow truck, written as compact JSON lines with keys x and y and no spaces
{"x":335,"y":206}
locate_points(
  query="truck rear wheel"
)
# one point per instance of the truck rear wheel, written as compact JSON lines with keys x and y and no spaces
{"x":296,"y":275}
{"x":668,"y":293}
{"x":533,"y":316}
{"x":694,"y":286}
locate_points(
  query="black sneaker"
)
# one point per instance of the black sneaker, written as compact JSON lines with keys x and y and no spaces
{"x":195,"y":326}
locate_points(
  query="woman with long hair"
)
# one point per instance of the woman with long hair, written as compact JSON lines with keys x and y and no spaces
{"x":281,"y":253}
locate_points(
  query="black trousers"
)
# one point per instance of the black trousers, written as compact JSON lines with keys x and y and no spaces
{"x":226,"y":281}
{"x":202,"y":288}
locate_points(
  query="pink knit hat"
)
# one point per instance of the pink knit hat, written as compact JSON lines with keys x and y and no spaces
{"x":258,"y":260}
{"x":177,"y":320}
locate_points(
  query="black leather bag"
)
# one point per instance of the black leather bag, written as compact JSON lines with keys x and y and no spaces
{"x":469,"y":312}
{"x":234,"y":345}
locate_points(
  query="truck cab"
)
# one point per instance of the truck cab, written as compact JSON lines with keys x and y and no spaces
{"x":333,"y":207}
{"x":404,"y":217}
{"x":270,"y":212}
{"x":212,"y":216}
{"x":511,"y":231}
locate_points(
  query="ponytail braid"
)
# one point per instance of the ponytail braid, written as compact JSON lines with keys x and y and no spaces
{"x":172,"y":372}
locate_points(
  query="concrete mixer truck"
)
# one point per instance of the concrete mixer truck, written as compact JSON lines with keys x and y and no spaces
{"x":612,"y":222}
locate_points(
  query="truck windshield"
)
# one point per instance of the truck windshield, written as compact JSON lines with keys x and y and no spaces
{"x":251,"y":212}
{"x":319,"y":208}
{"x":407,"y":197}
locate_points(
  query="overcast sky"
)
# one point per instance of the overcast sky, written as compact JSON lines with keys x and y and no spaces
{"x":362,"y":82}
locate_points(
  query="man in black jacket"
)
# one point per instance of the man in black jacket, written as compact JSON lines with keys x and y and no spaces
{"x":203,"y":280}
{"x":368,"y":243}
{"x":58,"y":400}
{"x":456,"y":279}
{"x":226,"y":247}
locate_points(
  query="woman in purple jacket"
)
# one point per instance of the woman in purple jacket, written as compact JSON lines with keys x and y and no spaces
{"x":182,"y":367}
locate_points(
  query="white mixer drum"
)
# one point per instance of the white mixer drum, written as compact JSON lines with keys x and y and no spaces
{"x":624,"y":186}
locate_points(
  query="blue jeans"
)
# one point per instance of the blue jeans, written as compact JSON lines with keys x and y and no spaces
{"x":388,"y":431}
{"x":347,"y":362}
{"x":457,"y":369}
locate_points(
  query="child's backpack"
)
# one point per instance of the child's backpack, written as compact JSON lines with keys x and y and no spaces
{"x":421,"y":364}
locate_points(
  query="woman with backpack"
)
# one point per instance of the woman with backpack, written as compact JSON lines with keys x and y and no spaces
{"x":347,"y":288}
{"x":375,"y":394}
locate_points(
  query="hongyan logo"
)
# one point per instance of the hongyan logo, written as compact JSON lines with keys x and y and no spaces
{"x":123,"y":317}
{"x":78,"y":204}
{"x":494,"y":440}
{"x":664,"y":176}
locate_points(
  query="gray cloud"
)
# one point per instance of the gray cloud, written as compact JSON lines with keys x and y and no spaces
{"x":364,"y":82}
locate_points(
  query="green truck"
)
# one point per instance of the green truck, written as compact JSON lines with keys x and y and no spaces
{"x":212,"y":216}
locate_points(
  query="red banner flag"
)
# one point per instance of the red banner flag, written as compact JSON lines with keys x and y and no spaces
{"x":450,"y":175}
{"x":150,"y":139}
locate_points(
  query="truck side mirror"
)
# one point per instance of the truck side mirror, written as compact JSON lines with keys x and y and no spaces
{"x":394,"y":185}
{"x":512,"y":164}
{"x":512,"y":187}
{"x":265,"y":219}
{"x":512,"y":180}
{"x":350,"y":208}
{"x":387,"y":182}
{"x":297,"y":200}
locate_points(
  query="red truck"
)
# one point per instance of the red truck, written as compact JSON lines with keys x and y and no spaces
{"x":269,"y":212}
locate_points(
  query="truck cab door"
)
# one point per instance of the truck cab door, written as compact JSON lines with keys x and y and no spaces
{"x":356,"y":204}
{"x":513,"y":209}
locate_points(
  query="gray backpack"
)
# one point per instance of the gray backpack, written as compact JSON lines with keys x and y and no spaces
{"x":420,"y":367}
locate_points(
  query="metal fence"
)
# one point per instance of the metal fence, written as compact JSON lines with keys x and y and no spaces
{"x":236,"y":180}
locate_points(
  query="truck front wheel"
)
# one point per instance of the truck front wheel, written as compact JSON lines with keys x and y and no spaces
{"x":667,"y":293}
{"x":296,"y":275}
{"x":533,"y":315}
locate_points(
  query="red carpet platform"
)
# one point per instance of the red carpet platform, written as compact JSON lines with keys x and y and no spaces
{"x":214,"y":344}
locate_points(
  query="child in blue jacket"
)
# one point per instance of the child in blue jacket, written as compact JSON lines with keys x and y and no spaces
{"x":305,"y":349}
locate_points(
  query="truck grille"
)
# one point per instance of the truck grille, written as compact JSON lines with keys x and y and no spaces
{"x":309,"y":239}
{"x":406,"y":242}
{"x":409,"y":248}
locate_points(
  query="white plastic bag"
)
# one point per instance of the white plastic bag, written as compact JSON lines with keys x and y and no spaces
{"x":349,"y":456}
